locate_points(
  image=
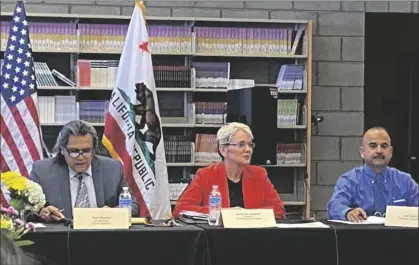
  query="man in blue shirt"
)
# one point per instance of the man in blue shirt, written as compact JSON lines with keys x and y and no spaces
{"x":367,"y":190}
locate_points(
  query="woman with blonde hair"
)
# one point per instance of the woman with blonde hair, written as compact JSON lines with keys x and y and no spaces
{"x":240,"y":184}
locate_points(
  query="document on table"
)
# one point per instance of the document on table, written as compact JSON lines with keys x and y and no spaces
{"x":38,"y":225}
{"x":303,"y":225}
{"x":194,"y":215}
{"x":371,"y":220}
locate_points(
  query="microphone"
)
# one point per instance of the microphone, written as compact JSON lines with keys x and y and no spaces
{"x":67,"y":221}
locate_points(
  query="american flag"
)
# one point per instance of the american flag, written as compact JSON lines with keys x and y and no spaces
{"x":21,"y":142}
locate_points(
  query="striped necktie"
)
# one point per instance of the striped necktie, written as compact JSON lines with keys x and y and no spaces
{"x":82,"y":200}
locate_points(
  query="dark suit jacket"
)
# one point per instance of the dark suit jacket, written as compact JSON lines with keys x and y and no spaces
{"x":108,"y":180}
{"x":258,"y":191}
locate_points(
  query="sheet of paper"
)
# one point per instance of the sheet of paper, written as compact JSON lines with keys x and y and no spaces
{"x":371,"y":220}
{"x":303,"y":225}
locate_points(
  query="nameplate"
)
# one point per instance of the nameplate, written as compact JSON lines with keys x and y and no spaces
{"x":101,"y":218}
{"x":402,"y":216}
{"x":248,"y":218}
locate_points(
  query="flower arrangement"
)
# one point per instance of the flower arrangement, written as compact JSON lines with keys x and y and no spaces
{"x":25,"y":195}
{"x":14,"y":227}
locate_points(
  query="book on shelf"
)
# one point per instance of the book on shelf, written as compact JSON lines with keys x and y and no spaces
{"x":63,"y":78}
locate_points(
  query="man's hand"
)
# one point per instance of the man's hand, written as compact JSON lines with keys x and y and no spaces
{"x":356,"y":215}
{"x":51,"y":213}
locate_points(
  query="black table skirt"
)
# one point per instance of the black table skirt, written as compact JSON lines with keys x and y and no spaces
{"x":352,"y":244}
{"x":271,"y":246}
{"x":377,"y":245}
{"x":138,"y":245}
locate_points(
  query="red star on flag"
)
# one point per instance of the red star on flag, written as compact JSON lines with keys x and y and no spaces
{"x":144,"y":47}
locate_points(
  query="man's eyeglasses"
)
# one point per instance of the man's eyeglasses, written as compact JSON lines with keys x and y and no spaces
{"x":242,"y":145}
{"x":74,"y":153}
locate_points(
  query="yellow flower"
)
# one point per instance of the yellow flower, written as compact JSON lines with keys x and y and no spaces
{"x":6,"y":223}
{"x":14,"y":180}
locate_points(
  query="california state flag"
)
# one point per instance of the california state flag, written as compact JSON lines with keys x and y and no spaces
{"x":133,"y":132}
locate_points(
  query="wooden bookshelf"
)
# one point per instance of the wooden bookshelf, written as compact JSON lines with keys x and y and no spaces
{"x":65,"y":61}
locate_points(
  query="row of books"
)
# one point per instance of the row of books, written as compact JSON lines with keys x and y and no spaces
{"x":290,"y":153}
{"x":229,"y":40}
{"x":46,"y":36}
{"x":206,"y":149}
{"x":96,"y":73}
{"x":111,"y":37}
{"x":212,"y":74}
{"x":61,"y":109}
{"x":43,"y":75}
{"x":178,"y":148}
{"x":288,"y":112}
{"x":57,"y":109}
{"x":172,"y":76}
{"x":210,"y":112}
{"x":102,"y":74}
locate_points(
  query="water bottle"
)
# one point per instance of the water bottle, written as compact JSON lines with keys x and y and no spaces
{"x":214,"y":206}
{"x":125,"y":200}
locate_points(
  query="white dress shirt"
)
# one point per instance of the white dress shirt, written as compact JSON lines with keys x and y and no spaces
{"x":74,"y":184}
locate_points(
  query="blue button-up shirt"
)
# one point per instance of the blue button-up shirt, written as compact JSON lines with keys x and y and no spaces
{"x":355,"y":189}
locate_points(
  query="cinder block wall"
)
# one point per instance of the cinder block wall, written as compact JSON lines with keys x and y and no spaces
{"x":338,"y":63}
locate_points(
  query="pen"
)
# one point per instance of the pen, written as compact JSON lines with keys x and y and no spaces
{"x":61,"y":210}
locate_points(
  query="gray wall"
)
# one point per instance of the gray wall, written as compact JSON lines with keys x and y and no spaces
{"x":338,"y":64}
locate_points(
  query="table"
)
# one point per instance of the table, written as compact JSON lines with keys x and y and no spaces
{"x":377,"y":245}
{"x":138,"y":245}
{"x":270,"y":246}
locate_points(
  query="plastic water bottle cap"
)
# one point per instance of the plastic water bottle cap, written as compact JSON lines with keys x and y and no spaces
{"x":215,"y":186}
{"x":125,"y":188}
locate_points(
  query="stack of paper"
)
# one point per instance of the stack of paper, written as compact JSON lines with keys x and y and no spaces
{"x":194,"y":215}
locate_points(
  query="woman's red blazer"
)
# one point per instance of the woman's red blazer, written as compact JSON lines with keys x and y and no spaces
{"x":258,"y":191}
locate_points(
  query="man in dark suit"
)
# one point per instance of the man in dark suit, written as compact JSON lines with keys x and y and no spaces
{"x":76,"y":176}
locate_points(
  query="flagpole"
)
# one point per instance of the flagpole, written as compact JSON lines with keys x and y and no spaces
{"x":46,"y":148}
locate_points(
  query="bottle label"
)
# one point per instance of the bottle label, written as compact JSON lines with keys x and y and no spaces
{"x":215,"y":200}
{"x":125,"y":203}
